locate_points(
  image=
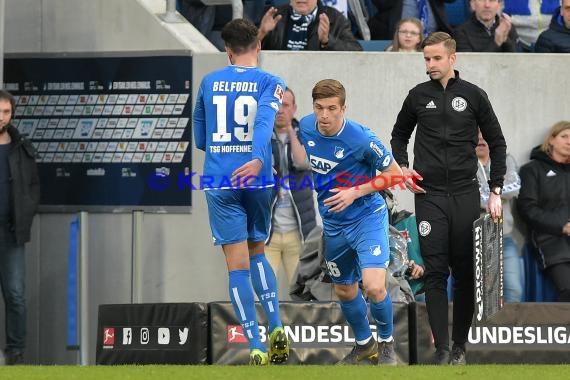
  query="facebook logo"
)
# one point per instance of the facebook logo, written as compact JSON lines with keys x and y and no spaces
{"x":127,"y":335}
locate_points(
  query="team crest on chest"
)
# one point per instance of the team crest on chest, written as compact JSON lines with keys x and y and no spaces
{"x":459,"y":104}
{"x":338,"y":152}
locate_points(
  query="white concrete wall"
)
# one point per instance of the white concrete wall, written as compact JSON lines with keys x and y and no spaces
{"x":96,"y":25}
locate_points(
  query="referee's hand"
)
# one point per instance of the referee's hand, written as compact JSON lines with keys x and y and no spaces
{"x":412,"y":177}
{"x":495,"y":206}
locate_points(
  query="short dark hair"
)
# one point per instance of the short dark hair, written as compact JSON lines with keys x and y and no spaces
{"x":5,"y":95}
{"x":439,"y":37}
{"x":240,"y":35}
{"x":291,"y":92}
{"x":329,"y":88}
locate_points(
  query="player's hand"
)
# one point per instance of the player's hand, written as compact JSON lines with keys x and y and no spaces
{"x":324,"y":28}
{"x":495,"y":206}
{"x":417,"y":270}
{"x":342,"y":199}
{"x":269,"y":21}
{"x":246,"y":173}
{"x":412,"y":177}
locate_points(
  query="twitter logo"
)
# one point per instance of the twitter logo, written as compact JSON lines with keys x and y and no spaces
{"x":183,"y":335}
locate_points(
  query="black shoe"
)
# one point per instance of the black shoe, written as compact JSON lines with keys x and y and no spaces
{"x":16,"y":358}
{"x":458,"y":355}
{"x":386,"y":353}
{"x":441,"y":357}
{"x":362,"y":354}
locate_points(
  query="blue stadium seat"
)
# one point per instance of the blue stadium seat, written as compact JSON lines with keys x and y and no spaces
{"x":457,"y":12}
{"x":374,"y":45}
{"x":538,"y":287}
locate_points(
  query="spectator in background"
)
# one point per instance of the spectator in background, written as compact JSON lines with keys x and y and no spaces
{"x":19,"y":198}
{"x":557,"y":38}
{"x":544,"y":204}
{"x":488,"y":30}
{"x":432,"y":14}
{"x":293,"y":214}
{"x":408,"y":36}
{"x":530,"y":18}
{"x":306,"y":25}
{"x":513,"y":264}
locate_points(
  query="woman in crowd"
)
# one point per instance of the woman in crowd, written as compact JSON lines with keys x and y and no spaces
{"x":544,"y":203}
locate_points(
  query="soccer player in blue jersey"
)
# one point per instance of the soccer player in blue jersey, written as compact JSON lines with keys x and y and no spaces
{"x":233,"y":121}
{"x":345,"y":157}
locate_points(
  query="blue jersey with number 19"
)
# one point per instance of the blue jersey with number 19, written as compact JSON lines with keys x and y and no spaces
{"x":233,"y":121}
{"x":350,"y":157}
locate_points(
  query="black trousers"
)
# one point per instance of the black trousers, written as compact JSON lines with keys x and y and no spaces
{"x":560,"y":275}
{"x":445,"y":226}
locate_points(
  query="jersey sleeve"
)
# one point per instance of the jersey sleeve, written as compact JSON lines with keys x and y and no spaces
{"x":199,"y":120}
{"x":268,"y":105}
{"x":375,"y":153}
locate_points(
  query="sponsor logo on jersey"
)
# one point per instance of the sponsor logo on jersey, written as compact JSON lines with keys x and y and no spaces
{"x":279,"y":93}
{"x":322,"y":165}
{"x":431,"y":105}
{"x":376,"y":149}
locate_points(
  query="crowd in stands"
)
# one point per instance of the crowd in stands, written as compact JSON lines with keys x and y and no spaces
{"x":477,"y":25}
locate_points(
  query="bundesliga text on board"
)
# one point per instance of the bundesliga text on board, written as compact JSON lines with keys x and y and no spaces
{"x":161,"y":180}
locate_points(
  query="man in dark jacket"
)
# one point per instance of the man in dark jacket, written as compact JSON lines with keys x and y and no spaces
{"x":19,"y":197}
{"x":432,"y":12}
{"x":293,"y":215}
{"x":557,"y":38}
{"x":487,"y":30}
{"x":447,"y":111}
{"x":306,"y":25}
{"x":544,"y":204}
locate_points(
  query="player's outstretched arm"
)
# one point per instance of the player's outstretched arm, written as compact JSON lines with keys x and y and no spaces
{"x":344,"y":197}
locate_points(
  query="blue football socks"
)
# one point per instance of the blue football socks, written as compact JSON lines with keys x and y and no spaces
{"x":356,"y":314}
{"x":383,"y":315}
{"x":241,"y":295}
{"x":265,"y":285}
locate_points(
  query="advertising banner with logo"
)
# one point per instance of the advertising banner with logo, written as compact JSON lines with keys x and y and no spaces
{"x":488,"y":267}
{"x":112,"y":132}
{"x":520,"y":333}
{"x":162,"y":333}
{"x":317,"y":331}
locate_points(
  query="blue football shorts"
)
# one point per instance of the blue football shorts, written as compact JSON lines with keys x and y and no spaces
{"x":360,"y":245}
{"x":237,"y":215}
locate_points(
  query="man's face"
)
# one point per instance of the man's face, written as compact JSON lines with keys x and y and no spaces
{"x":439,"y":63}
{"x":5,"y":114}
{"x":330,"y":115}
{"x":286,"y":112}
{"x":482,"y":148}
{"x":304,"y":7}
{"x":486,"y":10}
{"x":565,"y":12}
